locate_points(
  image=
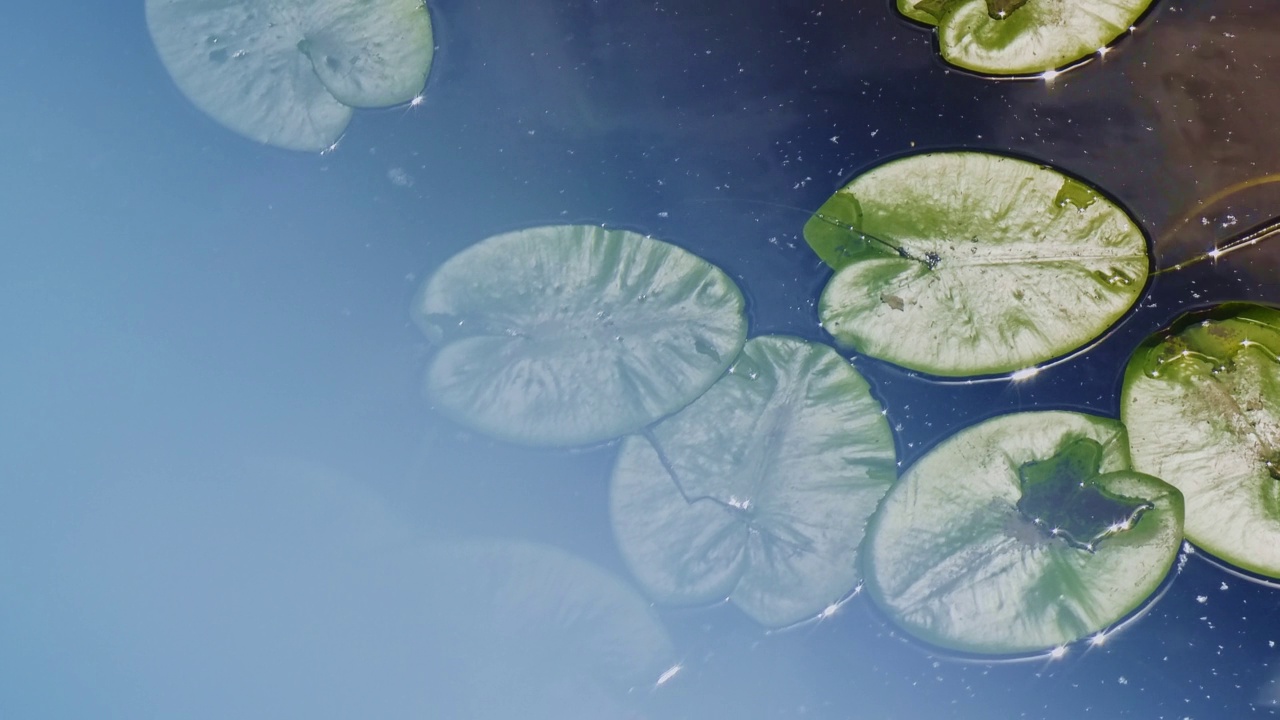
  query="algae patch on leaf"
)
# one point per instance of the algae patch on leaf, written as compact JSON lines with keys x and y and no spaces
{"x":760,"y":490}
{"x":968,"y":263}
{"x":574,"y":334}
{"x":1021,"y":534}
{"x":1201,"y":400}
{"x":289,"y":73}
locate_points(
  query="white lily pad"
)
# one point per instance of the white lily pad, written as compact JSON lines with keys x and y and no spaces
{"x":573,"y":334}
{"x":288,"y":73}
{"x":1202,"y":404}
{"x":526,"y":630}
{"x":1021,"y":534}
{"x":1023,"y":37}
{"x":967,"y":263}
{"x":760,"y":490}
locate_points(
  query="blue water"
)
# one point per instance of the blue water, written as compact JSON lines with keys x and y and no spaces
{"x":208,"y":360}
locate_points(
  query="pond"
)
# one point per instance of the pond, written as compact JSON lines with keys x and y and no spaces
{"x":611,"y":371}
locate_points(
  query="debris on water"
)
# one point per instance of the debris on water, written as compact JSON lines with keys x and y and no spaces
{"x":400,"y":177}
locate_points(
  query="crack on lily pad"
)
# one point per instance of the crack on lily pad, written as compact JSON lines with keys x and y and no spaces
{"x":759,"y":490}
{"x":1062,"y":498}
{"x":742,"y":508}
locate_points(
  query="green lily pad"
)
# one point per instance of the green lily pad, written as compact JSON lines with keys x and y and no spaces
{"x":288,"y":73}
{"x":1023,"y":37}
{"x":967,"y":263}
{"x":1021,"y":534}
{"x":525,"y":630}
{"x":1202,"y":403}
{"x":760,"y":490}
{"x":573,"y":334}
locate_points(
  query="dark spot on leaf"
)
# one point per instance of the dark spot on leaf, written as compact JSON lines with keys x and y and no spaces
{"x":1061,"y":496}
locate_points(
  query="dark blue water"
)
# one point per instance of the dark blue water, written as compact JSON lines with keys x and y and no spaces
{"x":193,"y":322}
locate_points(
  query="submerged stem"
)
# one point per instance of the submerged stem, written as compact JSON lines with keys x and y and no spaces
{"x":1266,"y":231}
{"x":1249,"y":237}
{"x":930,"y":259}
{"x":1218,"y":197}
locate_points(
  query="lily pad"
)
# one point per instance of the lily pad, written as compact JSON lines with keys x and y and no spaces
{"x":526,"y":630}
{"x":288,"y":73}
{"x":1021,"y":534}
{"x":1202,"y":403}
{"x":573,"y":334}
{"x":1023,"y":37}
{"x":760,"y":490}
{"x":967,"y":263}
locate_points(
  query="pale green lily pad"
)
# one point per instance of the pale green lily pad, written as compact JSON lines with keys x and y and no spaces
{"x":574,"y":334}
{"x":1202,"y":404}
{"x":1023,"y":37}
{"x":968,"y":263}
{"x":288,"y":73}
{"x":760,"y":490}
{"x":526,"y":630}
{"x":1021,"y":534}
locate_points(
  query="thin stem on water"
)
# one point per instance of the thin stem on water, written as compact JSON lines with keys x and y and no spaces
{"x":1268,"y":230}
{"x":1249,"y":238}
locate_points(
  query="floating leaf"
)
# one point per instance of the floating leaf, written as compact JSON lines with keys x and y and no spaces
{"x":1023,"y":37}
{"x":759,"y":491}
{"x":573,"y":334}
{"x":965,"y":263}
{"x":1020,"y":534}
{"x":1202,"y":402}
{"x":288,"y":73}
{"x":526,"y":630}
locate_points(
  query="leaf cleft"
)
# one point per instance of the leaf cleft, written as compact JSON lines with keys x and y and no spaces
{"x":1002,"y":9}
{"x":1063,"y":498}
